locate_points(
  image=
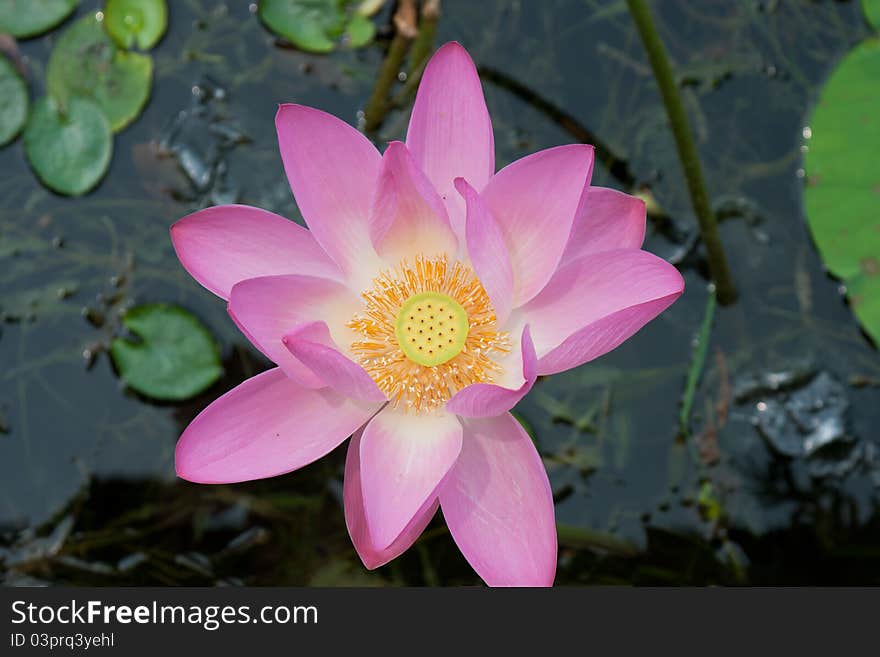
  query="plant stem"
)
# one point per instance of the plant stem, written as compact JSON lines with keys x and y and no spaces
{"x":698,"y":361}
{"x":424,"y":42}
{"x":583,"y":538}
{"x":421,"y":50}
{"x":687,"y":151}
{"x":405,"y":32}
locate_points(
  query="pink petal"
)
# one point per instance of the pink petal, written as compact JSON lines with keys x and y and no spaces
{"x":450,"y":132}
{"x":534,"y":201}
{"x":223,"y":245}
{"x":498,"y":505}
{"x":486,"y":399}
{"x":408,"y":217}
{"x":356,"y":521}
{"x":602,"y":336}
{"x":266,"y":426}
{"x":267,"y":308}
{"x":594,"y":303}
{"x":332,"y":169}
{"x":404,"y":457}
{"x":487,"y":251}
{"x":607,"y":220}
{"x":312,"y":346}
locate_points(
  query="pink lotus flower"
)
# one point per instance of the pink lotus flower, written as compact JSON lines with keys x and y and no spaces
{"x":424,"y":300}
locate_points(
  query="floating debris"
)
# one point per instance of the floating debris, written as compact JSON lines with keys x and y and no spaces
{"x":199,"y":138}
{"x":131,"y":562}
{"x":754,"y":386}
{"x":15,"y":578}
{"x":29,"y":549}
{"x":197,"y":562}
{"x":837,"y":459}
{"x":808,"y":422}
{"x":729,"y":207}
{"x":246,"y":540}
{"x":28,"y":304}
{"x":91,"y":567}
{"x":233,"y":517}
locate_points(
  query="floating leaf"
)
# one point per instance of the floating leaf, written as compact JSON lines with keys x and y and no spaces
{"x":86,"y":62}
{"x":843,"y":181}
{"x":13,"y":102}
{"x":29,"y":18}
{"x":70,"y":150}
{"x":360,"y":31}
{"x":176,"y":357}
{"x":316,"y":25}
{"x":141,"y":22}
{"x":872,"y":12}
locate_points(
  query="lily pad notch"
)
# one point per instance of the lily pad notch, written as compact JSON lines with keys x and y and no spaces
{"x":174,"y":357}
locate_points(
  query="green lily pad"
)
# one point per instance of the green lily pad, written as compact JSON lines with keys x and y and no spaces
{"x":86,"y":62}
{"x":316,"y":25}
{"x":360,"y":31}
{"x":872,"y":12}
{"x":176,"y":357}
{"x":13,"y":102}
{"x":842,"y":196}
{"x":141,"y":22}
{"x":70,"y":150}
{"x":29,"y":18}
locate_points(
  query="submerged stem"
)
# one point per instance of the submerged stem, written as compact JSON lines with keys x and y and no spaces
{"x":616,"y":165}
{"x":687,"y":151}
{"x":405,"y":33}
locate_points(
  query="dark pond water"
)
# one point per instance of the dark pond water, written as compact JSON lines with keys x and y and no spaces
{"x":87,"y":486}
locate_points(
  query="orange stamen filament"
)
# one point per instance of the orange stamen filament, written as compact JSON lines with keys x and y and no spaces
{"x":410,"y":384}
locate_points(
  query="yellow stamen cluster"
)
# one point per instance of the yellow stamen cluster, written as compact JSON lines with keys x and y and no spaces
{"x":405,"y":380}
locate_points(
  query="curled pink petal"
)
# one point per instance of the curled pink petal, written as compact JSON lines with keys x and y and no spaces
{"x":356,"y":521}
{"x":623,"y":290}
{"x":602,"y":336}
{"x":487,"y":399}
{"x":332,"y":169}
{"x":268,"y":307}
{"x":498,"y":505}
{"x":607,"y":220}
{"x":264,"y":427}
{"x":487,"y":251}
{"x":312,"y":346}
{"x":450,"y":132}
{"x":534,"y":201}
{"x":404,"y":457}
{"x":223,"y":245}
{"x":408,"y":216}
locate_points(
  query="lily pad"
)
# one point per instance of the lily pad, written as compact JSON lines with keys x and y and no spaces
{"x":69,"y":150}
{"x":86,"y":62}
{"x":29,"y":18}
{"x":872,"y":12}
{"x":141,"y":22}
{"x":13,"y":102}
{"x":360,"y":31}
{"x":176,"y":357}
{"x":843,"y":181}
{"x":316,"y":25}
